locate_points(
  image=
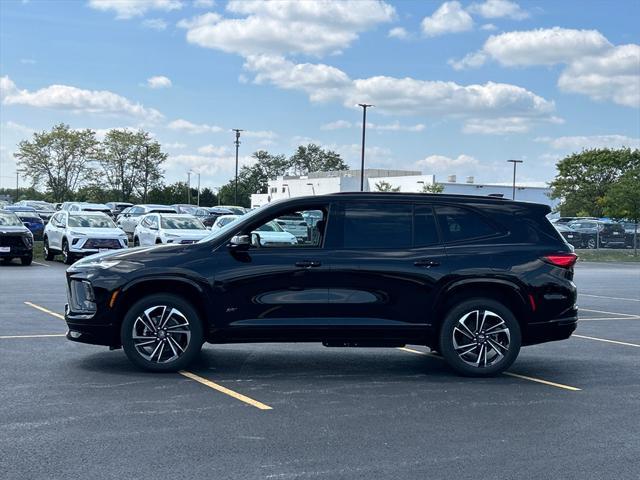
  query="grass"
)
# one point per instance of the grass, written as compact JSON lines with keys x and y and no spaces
{"x":608,"y":255}
{"x":37,"y":250}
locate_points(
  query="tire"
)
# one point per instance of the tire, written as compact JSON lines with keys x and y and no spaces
{"x":158,"y":241}
{"x":26,"y":261}
{"x":48,"y":254}
{"x":591,"y":243}
{"x":136,"y":242}
{"x":67,"y":256}
{"x":156,"y":354}
{"x":454,"y":339}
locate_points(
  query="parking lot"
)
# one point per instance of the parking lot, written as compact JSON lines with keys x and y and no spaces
{"x":564,"y":410}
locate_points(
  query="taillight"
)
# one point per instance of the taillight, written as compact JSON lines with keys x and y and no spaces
{"x":565,"y":260}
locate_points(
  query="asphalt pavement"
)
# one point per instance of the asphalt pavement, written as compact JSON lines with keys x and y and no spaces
{"x":565,"y":410}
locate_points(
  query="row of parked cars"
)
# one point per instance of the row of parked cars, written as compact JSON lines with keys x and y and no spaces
{"x":78,"y":229}
{"x":590,"y":232}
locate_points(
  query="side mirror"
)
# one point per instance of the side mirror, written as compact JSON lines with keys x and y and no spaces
{"x":240,"y":242}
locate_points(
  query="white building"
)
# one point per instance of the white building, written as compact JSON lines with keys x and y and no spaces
{"x":320,"y":183}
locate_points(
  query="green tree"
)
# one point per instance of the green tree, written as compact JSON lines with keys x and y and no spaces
{"x":432,"y":188}
{"x":149,"y":165}
{"x":313,"y":158}
{"x":384,"y":186}
{"x":584,"y":179}
{"x":623,"y":200}
{"x":60,"y":159}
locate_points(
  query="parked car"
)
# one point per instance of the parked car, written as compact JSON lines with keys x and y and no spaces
{"x":129,"y":219}
{"x":77,"y":234}
{"x":90,"y":207}
{"x":566,"y":220}
{"x":295,"y":224}
{"x":155,"y":228}
{"x":608,"y":234}
{"x":16,"y":241}
{"x":224,"y":220}
{"x":45,"y":210}
{"x":236,"y":210}
{"x":209,"y":215}
{"x":472,"y":277}
{"x":573,"y":237}
{"x":30,"y":218}
{"x":630,"y":233}
{"x":117,"y":207}
{"x":185,"y":208}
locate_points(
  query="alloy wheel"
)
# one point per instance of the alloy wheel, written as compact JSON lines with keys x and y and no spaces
{"x":161,"y":334}
{"x":481,"y":338}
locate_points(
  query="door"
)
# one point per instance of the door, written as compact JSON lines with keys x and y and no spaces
{"x":142,"y":231}
{"x":387,"y":265}
{"x":54,"y":235}
{"x":275,"y":289}
{"x":129,"y":222}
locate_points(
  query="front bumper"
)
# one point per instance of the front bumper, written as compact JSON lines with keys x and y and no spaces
{"x":90,"y":330}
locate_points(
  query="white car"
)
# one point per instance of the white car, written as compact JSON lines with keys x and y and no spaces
{"x":128,"y":220}
{"x":89,"y":207}
{"x":156,"y":228}
{"x":295,"y":223}
{"x":270,"y":233}
{"x":76,"y":234}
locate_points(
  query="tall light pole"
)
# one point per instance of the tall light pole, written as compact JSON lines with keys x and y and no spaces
{"x":364,"y":128}
{"x":189,"y":187}
{"x":237,"y":142}
{"x":515,"y":164}
{"x":197,"y":173}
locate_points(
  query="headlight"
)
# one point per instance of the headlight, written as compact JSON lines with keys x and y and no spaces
{"x":171,"y":235}
{"x":81,"y":297}
{"x":77,"y":234}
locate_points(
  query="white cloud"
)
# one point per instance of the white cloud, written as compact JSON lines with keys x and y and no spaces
{"x":450,"y":17}
{"x":505,"y":125}
{"x":126,"y":9}
{"x":391,"y":127}
{"x":499,"y":9}
{"x":399,"y":33}
{"x":613,"y":75}
{"x":267,"y":27}
{"x":17,"y":127}
{"x":159,"y":81}
{"x":203,"y":3}
{"x":213,"y":150}
{"x":337,"y":125}
{"x":260,"y":134}
{"x":206,"y":164}
{"x":189,"y":127}
{"x":174,"y":146}
{"x":594,"y":67}
{"x":488,"y":27}
{"x":575,"y":143}
{"x":65,"y":97}
{"x":155,"y":24}
{"x":442,"y":162}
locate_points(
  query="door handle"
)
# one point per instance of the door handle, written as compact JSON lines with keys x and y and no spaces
{"x":426,"y":263}
{"x":308,"y":264}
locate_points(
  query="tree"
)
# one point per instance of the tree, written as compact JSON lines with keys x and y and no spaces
{"x":60,"y":159}
{"x":623,"y":200}
{"x":313,"y":158}
{"x":148,"y":163}
{"x":432,"y":188}
{"x":584,"y":179}
{"x":384,"y":186}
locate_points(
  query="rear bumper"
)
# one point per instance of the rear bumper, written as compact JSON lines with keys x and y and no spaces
{"x":551,"y":330}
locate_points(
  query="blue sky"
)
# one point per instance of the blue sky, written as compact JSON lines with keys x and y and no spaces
{"x":458,"y":87}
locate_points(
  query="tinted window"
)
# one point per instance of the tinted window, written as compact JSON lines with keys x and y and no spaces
{"x":425,"y":232}
{"x":375,"y":226}
{"x":461,"y":224}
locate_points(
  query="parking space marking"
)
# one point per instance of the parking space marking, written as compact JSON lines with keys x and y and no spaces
{"x":8,"y":337}
{"x":45,"y":310}
{"x":510,"y":374}
{"x":42,"y":264}
{"x":226,"y":391}
{"x":605,"y":312}
{"x":609,"y":298}
{"x":588,"y":319}
{"x":607,"y":340}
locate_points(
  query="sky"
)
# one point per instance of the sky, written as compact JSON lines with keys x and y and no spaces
{"x":457,"y":87}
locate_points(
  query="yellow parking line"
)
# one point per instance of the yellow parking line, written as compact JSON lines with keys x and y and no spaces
{"x":6,"y":337}
{"x":606,"y":340}
{"x":516,"y":375}
{"x":226,"y":391}
{"x":45,"y":310}
{"x":608,"y":313}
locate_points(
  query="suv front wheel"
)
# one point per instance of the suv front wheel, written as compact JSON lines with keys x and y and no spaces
{"x":162,"y":333}
{"x":480,"y":337}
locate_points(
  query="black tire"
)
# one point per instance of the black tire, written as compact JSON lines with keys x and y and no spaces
{"x":67,"y":256}
{"x":192,"y":345}
{"x":158,"y":241}
{"x":498,"y":312}
{"x":136,"y":242}
{"x":27,"y":260}
{"x":48,"y":254}
{"x":591,"y":243}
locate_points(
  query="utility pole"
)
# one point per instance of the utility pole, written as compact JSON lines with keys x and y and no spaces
{"x":189,"y":187}
{"x":364,"y":128}
{"x":237,"y":142}
{"x":146,"y":172}
{"x":198,"y":188}
{"x":515,"y":164}
{"x":17,"y":177}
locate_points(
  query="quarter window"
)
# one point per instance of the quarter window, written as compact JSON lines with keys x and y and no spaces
{"x":462,"y":224}
{"x":370,"y":226}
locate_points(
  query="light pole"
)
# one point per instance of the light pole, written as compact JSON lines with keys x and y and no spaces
{"x":515,"y":164}
{"x":197,"y":173}
{"x":189,"y":188}
{"x":313,"y":189}
{"x":237,"y":142}
{"x":364,"y":128}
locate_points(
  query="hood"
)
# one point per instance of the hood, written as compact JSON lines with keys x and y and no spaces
{"x":14,"y":229}
{"x":98,"y":232}
{"x":183,"y":233}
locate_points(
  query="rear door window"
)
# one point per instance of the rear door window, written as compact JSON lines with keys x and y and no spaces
{"x":425,"y":232}
{"x":458,"y":223}
{"x":377,"y":226}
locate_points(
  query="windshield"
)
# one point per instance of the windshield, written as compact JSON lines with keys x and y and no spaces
{"x":271,"y":226}
{"x":9,"y":220}
{"x":221,"y":232}
{"x":90,"y":221}
{"x":181,"y":223}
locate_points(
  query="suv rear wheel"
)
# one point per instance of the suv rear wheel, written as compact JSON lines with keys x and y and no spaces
{"x":162,"y":333}
{"x":480,"y":337}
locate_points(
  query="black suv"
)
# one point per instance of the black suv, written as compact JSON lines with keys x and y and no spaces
{"x":471,"y":277}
